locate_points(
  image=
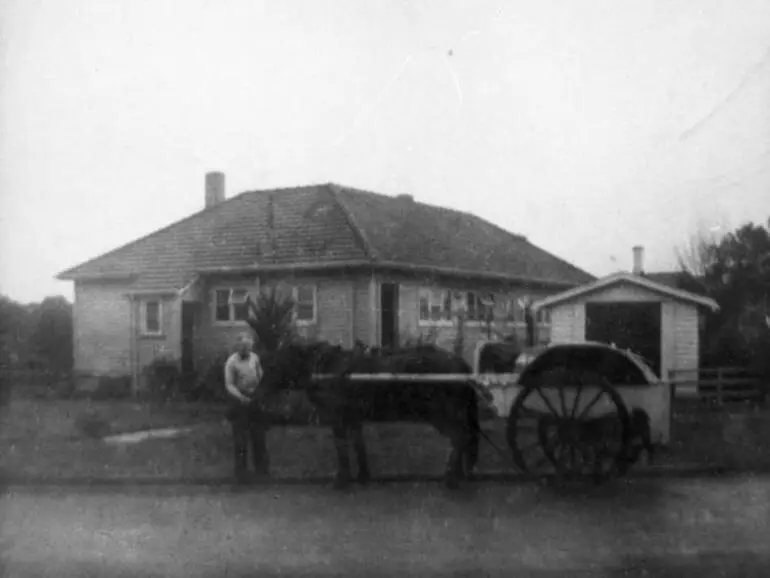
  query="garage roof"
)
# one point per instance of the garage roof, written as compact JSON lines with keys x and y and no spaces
{"x":623,"y":277}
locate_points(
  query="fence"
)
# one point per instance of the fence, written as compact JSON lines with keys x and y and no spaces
{"x":718,"y":385}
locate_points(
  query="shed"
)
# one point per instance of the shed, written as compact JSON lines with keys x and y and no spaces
{"x":659,"y":322}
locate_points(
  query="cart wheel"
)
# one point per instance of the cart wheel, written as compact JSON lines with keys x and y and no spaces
{"x":562,"y":439}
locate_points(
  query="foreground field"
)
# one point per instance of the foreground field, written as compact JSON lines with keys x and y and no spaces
{"x":660,"y":528}
{"x":63,"y":440}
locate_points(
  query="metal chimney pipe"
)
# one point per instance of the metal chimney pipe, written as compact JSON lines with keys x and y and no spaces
{"x":638,"y":260}
{"x":215,"y":188}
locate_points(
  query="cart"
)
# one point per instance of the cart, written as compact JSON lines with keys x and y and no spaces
{"x":581,"y":410}
{"x":571,"y":411}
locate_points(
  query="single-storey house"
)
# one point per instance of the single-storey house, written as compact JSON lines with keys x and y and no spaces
{"x":644,"y":312}
{"x":361,"y":266}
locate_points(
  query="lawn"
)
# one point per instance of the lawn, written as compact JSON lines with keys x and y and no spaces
{"x":392,"y":530}
{"x":62,"y":440}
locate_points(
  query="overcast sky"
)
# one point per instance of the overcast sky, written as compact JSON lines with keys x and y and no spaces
{"x":587,"y":126}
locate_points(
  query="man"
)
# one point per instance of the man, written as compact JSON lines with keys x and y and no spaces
{"x":243,"y":373}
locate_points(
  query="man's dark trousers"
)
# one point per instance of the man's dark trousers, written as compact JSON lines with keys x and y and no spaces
{"x":249,"y":422}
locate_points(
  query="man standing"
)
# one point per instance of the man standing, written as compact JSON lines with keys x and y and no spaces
{"x":243,"y":373}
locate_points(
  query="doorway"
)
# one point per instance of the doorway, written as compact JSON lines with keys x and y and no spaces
{"x":188,"y":337}
{"x":389,"y":315}
{"x":634,"y":326}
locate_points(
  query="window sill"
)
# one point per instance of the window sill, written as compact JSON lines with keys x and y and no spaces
{"x":152,"y":336}
{"x":422,"y":323}
{"x":306,"y":323}
{"x":230,"y":323}
{"x":474,"y":323}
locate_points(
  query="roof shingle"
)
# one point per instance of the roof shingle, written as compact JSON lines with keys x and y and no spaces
{"x":325,"y":224}
{"x":403,"y":230}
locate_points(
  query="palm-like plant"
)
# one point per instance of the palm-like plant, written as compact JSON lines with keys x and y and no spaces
{"x":272,"y":319}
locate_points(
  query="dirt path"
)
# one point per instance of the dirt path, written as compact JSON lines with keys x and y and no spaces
{"x":662,"y":528}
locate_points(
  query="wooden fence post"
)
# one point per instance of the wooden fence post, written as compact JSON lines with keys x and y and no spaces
{"x":671,"y":378}
{"x":671,"y":401}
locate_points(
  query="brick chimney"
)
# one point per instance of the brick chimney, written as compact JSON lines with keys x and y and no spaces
{"x":638,"y":260}
{"x":215,"y":188}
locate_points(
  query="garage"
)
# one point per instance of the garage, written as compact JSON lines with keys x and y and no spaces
{"x":627,"y":325}
{"x":632,"y":311}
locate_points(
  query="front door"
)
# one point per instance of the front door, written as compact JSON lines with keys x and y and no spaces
{"x":188,"y":337}
{"x":634,"y":326}
{"x":389,"y":311}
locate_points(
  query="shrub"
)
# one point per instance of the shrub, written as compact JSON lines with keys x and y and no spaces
{"x":109,"y":387}
{"x":92,"y":425}
{"x":211,"y":387}
{"x":162,"y":378}
{"x":420,"y":339}
{"x":273,"y":320}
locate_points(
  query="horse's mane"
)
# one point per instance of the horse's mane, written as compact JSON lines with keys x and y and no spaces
{"x":318,"y":356}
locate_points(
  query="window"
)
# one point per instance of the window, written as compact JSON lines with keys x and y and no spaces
{"x":544,"y":316}
{"x":151,"y":320}
{"x":304,"y":299}
{"x":230,"y":305}
{"x":479,"y":306}
{"x":435,"y":306}
{"x":514,"y":312}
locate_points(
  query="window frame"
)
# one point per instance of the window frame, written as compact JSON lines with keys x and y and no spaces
{"x":430,"y":292}
{"x":231,"y":305}
{"x":514,"y":313}
{"x":143,"y":317}
{"x":479,"y":296}
{"x":295,"y":296}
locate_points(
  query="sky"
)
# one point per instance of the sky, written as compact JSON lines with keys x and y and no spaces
{"x":589,"y":127}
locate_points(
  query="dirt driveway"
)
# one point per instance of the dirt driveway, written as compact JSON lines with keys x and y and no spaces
{"x":651,"y":527}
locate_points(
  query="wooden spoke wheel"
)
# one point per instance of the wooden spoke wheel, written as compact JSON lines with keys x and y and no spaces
{"x":570,"y":433}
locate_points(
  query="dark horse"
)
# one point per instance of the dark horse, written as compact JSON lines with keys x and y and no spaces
{"x":451,"y":406}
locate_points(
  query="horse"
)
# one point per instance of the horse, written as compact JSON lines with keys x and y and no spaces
{"x":344,"y":404}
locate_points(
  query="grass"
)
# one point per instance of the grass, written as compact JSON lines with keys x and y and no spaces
{"x":731,"y":437}
{"x":414,"y":529}
{"x":62,"y":439}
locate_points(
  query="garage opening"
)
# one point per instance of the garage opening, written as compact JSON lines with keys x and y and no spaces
{"x":634,"y":326}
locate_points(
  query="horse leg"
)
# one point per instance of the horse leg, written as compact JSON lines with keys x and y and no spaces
{"x":357,"y":432}
{"x":454,"y":466}
{"x":258,"y":426}
{"x":473,"y":438}
{"x":446,"y":426}
{"x":342,"y":478}
{"x":239,"y":421}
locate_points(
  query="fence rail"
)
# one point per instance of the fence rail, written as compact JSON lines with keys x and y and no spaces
{"x":718,"y":384}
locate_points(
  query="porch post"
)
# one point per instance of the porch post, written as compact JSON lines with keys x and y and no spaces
{"x":133,"y":346}
{"x":373,"y":312}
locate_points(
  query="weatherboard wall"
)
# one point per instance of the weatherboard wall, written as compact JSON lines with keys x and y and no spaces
{"x":679,"y":322}
{"x":108,"y":340}
{"x":101,"y":329}
{"x":336,"y":312}
{"x":410,"y":326}
{"x":169,"y":343}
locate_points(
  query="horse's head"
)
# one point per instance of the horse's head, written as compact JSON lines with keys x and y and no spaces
{"x":287,"y":367}
{"x":293,"y":365}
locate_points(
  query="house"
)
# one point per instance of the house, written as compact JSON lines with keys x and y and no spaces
{"x":361,"y":265}
{"x":647,"y":313}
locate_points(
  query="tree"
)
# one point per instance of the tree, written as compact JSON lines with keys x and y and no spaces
{"x":52,"y":338}
{"x":698,"y":253}
{"x":272,"y":319}
{"x":735,"y":272}
{"x":16,"y":329}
